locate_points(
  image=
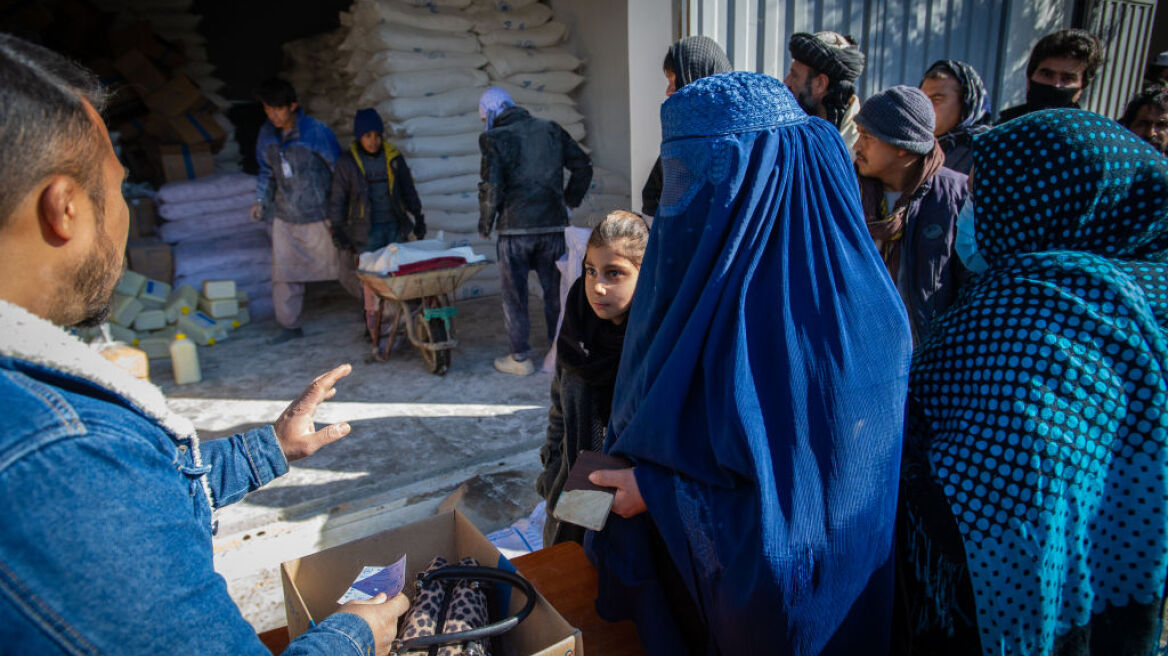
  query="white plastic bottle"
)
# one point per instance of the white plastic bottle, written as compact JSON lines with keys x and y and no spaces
{"x":184,"y":360}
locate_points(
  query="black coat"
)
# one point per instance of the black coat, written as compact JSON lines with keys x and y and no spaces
{"x":935,"y":273}
{"x":573,"y":421}
{"x":522,"y":188}
{"x":349,"y":208}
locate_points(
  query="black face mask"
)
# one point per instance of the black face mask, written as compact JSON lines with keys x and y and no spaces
{"x":1045,"y":96}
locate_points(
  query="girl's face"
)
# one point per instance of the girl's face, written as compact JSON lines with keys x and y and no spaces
{"x":609,"y":281}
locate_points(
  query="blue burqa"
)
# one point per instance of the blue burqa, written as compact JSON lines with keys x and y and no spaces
{"x":761,"y":390}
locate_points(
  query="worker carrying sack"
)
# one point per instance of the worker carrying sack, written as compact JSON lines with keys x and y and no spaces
{"x":450,"y":614}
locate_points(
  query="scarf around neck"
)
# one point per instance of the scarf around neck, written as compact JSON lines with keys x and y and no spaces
{"x":589,"y":346}
{"x":887,"y":224}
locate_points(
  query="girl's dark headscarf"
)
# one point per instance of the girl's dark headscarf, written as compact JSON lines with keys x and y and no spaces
{"x":695,"y":57}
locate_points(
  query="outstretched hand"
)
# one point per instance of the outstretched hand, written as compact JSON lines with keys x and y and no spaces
{"x":628,"y":501}
{"x":295,"y":428}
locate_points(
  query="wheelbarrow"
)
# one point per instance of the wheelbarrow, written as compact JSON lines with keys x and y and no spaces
{"x":429,"y":320}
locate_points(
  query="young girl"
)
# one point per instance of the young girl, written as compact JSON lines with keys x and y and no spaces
{"x":588,"y":353}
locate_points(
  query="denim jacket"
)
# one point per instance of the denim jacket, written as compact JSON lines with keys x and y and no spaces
{"x":107,"y":502}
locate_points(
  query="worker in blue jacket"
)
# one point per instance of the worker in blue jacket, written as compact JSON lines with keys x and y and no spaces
{"x":296,"y":155}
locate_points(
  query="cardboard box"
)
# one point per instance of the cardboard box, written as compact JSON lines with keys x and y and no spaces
{"x":191,"y":128}
{"x":139,"y":72}
{"x":140,"y":35}
{"x":313,"y":584}
{"x":151,"y":258}
{"x":176,"y":97}
{"x":143,"y":217}
{"x":183,"y":162}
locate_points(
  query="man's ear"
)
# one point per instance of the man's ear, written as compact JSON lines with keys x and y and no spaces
{"x":58,"y":209}
{"x":819,"y":85}
{"x":293,"y":106}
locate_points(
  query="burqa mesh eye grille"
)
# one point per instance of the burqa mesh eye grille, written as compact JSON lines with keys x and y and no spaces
{"x":677,"y":180}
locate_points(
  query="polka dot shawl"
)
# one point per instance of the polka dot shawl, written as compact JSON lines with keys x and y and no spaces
{"x":1041,"y":396}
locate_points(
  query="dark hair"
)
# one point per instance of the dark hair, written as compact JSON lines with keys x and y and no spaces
{"x":276,"y":93}
{"x":1076,"y":44}
{"x":1154,"y":95}
{"x":625,"y":232}
{"x":669,"y":65}
{"x":45,"y":129}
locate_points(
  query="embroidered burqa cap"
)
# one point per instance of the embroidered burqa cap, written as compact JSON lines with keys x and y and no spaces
{"x":764,"y":419}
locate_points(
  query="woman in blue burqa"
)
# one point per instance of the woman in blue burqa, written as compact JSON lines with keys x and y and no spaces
{"x":1035,"y":507}
{"x":760,"y":395}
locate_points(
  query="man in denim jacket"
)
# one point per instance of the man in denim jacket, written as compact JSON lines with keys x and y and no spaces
{"x":108,"y":497}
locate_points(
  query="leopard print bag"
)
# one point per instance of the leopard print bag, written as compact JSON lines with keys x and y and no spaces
{"x":450,"y":616}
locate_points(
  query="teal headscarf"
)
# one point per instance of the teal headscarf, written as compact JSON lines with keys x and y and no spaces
{"x":1039,"y":400}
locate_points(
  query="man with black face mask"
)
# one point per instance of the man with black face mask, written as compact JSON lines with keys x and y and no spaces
{"x":1061,"y":66}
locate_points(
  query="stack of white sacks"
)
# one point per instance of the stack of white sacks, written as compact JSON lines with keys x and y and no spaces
{"x":175,"y":21}
{"x":325,"y":90}
{"x":424,"y":64}
{"x":207,"y":220}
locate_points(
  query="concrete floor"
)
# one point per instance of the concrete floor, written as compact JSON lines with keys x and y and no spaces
{"x":472,"y":435}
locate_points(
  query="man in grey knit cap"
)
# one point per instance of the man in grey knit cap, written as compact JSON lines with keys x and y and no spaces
{"x":910,"y":201}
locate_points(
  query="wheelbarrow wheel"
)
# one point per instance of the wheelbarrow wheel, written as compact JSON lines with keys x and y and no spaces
{"x":433,"y":332}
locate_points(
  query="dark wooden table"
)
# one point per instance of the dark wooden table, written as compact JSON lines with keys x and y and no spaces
{"x":563,"y":575}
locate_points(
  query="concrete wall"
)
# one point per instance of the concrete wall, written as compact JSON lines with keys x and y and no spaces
{"x":622,"y":43}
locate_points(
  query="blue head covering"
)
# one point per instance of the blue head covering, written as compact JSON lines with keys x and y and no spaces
{"x":1038,"y":399}
{"x":492,"y":103}
{"x":761,"y":388}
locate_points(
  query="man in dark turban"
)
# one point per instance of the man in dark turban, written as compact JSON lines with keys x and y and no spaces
{"x":824,"y":68}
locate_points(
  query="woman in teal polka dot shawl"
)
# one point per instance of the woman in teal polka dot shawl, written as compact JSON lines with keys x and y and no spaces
{"x":1035,"y":503}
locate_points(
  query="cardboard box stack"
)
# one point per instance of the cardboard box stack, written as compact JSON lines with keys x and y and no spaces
{"x":162,"y":110}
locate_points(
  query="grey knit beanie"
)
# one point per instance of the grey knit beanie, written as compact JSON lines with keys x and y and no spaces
{"x":901,"y":116}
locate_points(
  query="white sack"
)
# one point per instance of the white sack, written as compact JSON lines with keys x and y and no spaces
{"x":453,"y":144}
{"x":431,"y":126}
{"x":400,"y":37}
{"x":509,"y":60}
{"x":213,"y":186}
{"x":527,"y":17}
{"x":206,"y":226}
{"x":387,"y":62}
{"x":442,"y":19}
{"x":524,"y":97}
{"x":562,"y":114}
{"x":424,"y":169}
{"x":197,"y":208}
{"x":548,"y":34}
{"x":456,"y":185}
{"x":550,"y":82}
{"x":417,"y":84}
{"x":451,"y":103}
{"x":465,"y":202}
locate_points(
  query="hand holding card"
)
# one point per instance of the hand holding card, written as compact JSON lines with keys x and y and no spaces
{"x":581,"y":502}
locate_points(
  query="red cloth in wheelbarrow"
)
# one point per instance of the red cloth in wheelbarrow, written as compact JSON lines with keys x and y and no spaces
{"x":429,"y":265}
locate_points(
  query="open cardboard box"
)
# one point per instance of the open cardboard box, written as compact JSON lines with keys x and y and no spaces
{"x":313,"y":584}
